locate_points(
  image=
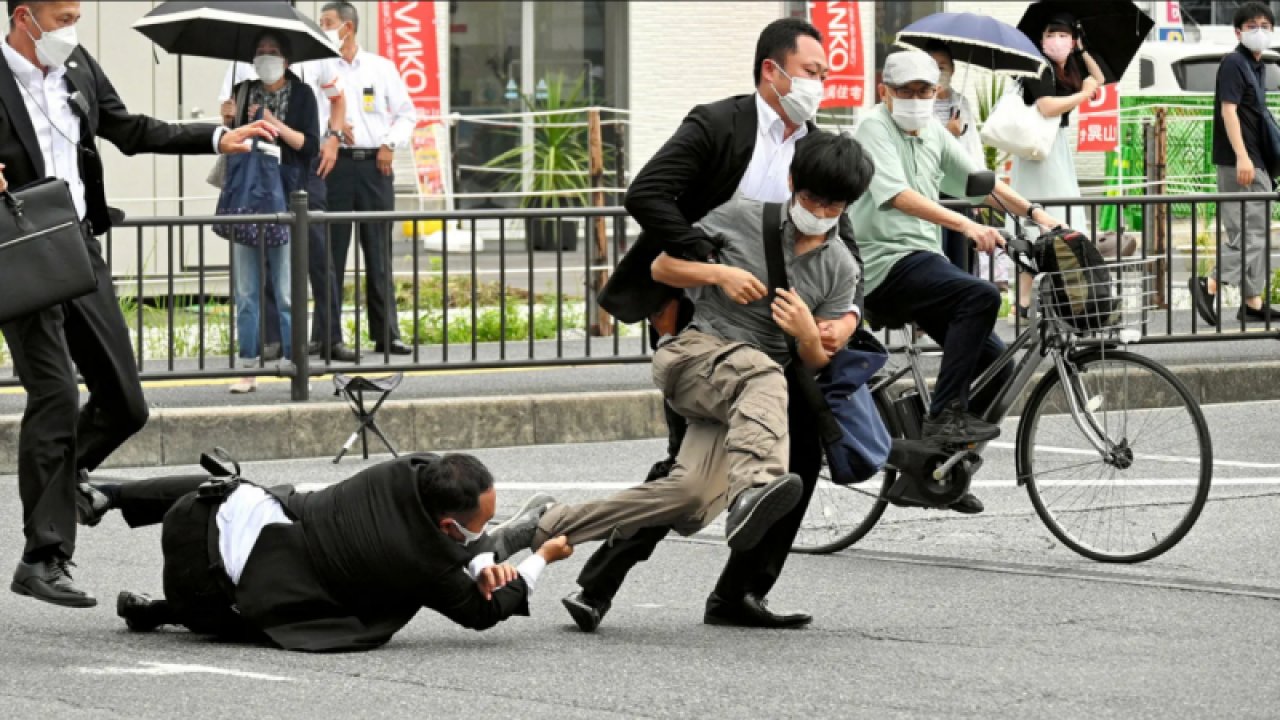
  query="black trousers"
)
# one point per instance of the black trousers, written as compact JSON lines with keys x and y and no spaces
{"x":58,"y":437}
{"x":195,"y":594}
{"x":752,"y":571}
{"x":958,"y":311}
{"x":358,"y":185}
{"x":326,"y":324}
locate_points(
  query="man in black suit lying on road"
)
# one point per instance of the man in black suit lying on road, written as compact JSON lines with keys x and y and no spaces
{"x":342,"y":568}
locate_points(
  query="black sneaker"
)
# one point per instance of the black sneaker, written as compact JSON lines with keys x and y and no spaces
{"x":1202,"y":300}
{"x":1262,"y":314}
{"x":958,"y":427}
{"x":757,"y":509}
{"x":586,"y":612}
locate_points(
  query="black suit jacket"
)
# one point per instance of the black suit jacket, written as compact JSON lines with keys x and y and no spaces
{"x":359,"y":561}
{"x":102,"y":114}
{"x":696,"y":171}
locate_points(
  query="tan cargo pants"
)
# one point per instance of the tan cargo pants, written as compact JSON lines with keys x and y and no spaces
{"x":735,"y":398}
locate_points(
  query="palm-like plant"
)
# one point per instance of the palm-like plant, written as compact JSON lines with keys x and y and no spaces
{"x":988,"y":96}
{"x":561,"y":157}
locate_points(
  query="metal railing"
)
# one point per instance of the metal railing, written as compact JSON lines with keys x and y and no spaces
{"x":484,"y":308}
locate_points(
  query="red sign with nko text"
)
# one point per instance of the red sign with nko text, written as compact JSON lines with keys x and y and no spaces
{"x":407,"y":36}
{"x":841,"y":31}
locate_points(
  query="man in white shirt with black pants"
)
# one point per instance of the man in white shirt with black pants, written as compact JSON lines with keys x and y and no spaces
{"x":380,"y":120}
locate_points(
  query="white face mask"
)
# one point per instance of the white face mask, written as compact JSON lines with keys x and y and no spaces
{"x":1256,"y":39}
{"x":809,"y":224}
{"x":335,"y":37}
{"x":270,"y":68}
{"x":801,"y":104}
{"x":911,"y":115}
{"x":53,"y":48}
{"x":468,"y":537}
{"x":944,"y":79}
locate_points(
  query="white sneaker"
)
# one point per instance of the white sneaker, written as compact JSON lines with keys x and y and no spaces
{"x":244,"y":385}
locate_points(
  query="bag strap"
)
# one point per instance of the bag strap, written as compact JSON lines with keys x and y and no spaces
{"x":804,"y":382}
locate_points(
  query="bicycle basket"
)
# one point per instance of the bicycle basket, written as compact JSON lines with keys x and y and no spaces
{"x":1101,"y":298}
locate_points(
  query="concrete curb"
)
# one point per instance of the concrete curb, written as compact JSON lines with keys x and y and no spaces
{"x":177,"y":436}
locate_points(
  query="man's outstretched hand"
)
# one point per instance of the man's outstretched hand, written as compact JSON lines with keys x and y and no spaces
{"x":555,"y":549}
{"x":237,"y":140}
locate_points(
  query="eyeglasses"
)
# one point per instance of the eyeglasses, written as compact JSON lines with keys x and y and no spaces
{"x":904,"y":92}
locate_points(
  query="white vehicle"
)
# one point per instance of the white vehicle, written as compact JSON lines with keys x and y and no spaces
{"x":1172,"y":68}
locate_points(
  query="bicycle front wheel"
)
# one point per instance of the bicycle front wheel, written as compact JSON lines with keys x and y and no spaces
{"x":840,"y":515}
{"x":1144,"y":491}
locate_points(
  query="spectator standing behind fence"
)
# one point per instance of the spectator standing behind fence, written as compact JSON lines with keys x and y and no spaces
{"x":1239,"y":134}
{"x":1074,"y":79}
{"x":380,"y":119}
{"x":56,"y":99}
{"x":287,"y":104}
{"x":326,"y":326}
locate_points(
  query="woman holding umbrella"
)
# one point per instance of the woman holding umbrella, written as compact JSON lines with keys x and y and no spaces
{"x":289,"y":106}
{"x":1073,"y":79}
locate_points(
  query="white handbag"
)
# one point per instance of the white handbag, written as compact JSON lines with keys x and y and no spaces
{"x":1019,"y":129}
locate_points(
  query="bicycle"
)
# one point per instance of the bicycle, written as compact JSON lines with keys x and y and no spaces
{"x":1079,"y":412}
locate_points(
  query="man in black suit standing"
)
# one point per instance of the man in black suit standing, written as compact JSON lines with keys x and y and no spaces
{"x":342,"y":568}
{"x":54,"y":100}
{"x":743,"y":144}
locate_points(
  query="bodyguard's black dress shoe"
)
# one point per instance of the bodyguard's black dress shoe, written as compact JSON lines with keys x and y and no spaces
{"x":756,"y":510}
{"x":751,"y":611}
{"x":397,"y":347}
{"x":91,"y":504}
{"x":140,"y":612}
{"x":50,"y":581}
{"x":586,"y":611}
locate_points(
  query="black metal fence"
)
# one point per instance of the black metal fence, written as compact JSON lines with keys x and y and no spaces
{"x":520,"y":306}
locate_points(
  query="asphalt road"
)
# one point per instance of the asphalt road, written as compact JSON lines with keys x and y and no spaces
{"x":931,"y":615}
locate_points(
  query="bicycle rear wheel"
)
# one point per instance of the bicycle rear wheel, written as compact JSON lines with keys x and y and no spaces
{"x":1143,"y":496}
{"x":840,"y":515}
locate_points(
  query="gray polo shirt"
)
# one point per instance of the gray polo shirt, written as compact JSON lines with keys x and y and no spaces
{"x":825,"y":277}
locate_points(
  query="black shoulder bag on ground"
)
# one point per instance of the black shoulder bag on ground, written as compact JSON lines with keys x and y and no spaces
{"x":853,"y":434}
{"x":43,"y":257}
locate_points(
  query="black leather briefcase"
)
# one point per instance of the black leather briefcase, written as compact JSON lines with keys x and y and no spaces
{"x":43,"y":257}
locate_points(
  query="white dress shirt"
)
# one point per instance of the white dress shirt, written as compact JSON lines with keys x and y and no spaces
{"x":530,"y":568}
{"x":379,"y":108}
{"x":766,"y":176}
{"x":240,"y":520}
{"x":48,"y":101}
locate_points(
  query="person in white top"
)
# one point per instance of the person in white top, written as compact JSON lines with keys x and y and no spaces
{"x":380,"y":118}
{"x":326,"y":292}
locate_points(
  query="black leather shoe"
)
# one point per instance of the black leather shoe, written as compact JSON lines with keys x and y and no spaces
{"x":271,"y":352}
{"x":397,"y":347}
{"x":968,"y":504}
{"x":752,"y":611}
{"x":342,"y":352}
{"x":586,"y":612}
{"x":138,"y":611}
{"x":757,"y":509}
{"x":50,"y":581}
{"x":1202,"y":300}
{"x":91,"y":504}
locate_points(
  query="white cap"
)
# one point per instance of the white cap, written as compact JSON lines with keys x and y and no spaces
{"x":910,"y":66}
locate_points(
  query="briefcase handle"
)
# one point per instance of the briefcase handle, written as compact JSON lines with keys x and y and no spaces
{"x":15,"y":204}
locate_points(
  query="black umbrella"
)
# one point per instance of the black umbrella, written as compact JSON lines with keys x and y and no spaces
{"x":229,"y":30}
{"x":1113,"y":30}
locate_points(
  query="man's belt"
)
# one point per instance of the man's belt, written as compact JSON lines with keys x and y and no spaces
{"x":358,"y":153}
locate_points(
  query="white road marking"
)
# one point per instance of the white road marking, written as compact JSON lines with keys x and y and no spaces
{"x":152,"y":668}
{"x":1162,"y":458}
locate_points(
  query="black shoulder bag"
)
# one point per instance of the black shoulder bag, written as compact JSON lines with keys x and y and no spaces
{"x":853,"y":435}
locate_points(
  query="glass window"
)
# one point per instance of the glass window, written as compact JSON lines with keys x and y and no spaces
{"x":1146,"y":74}
{"x":1201,"y":75}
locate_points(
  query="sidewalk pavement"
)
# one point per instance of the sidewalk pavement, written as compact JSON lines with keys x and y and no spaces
{"x":496,"y":408}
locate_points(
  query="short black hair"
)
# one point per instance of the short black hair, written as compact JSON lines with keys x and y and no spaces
{"x":938,"y":46}
{"x":832,"y":167}
{"x":286,"y":47}
{"x":778,"y":40}
{"x":453,"y":484}
{"x":346,"y":12}
{"x":1250,"y":11}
